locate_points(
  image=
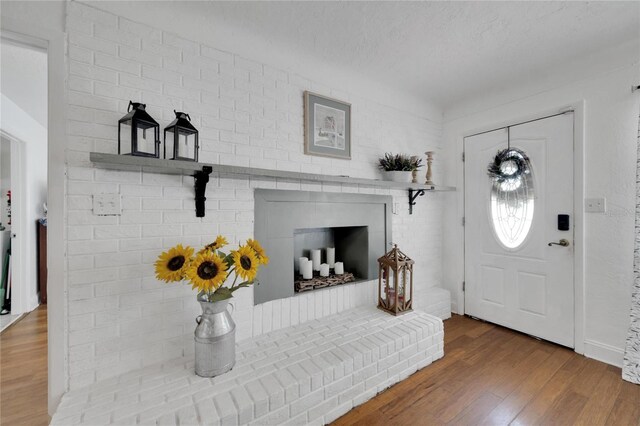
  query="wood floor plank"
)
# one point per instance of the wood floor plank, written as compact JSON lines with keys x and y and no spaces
{"x":507,"y":378}
{"x":538,"y":406}
{"x":479,"y":329}
{"x":601,"y":400}
{"x":565,"y":410}
{"x":396,"y":412}
{"x":553,"y":389}
{"x":494,"y":376}
{"x":526,"y":389}
{"x":457,"y":327}
{"x":476,"y":410}
{"x":489,"y":375}
{"x":624,"y":412}
{"x":478,"y":379}
{"x":426,"y":393}
{"x":586,"y":382}
{"x":365,"y":418}
{"x":628,"y":391}
{"x":23,"y":371}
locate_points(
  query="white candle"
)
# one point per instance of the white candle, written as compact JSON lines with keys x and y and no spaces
{"x":316,"y":258}
{"x":324,"y":270}
{"x":301,"y":262}
{"x":339,"y":268}
{"x":331,"y":256}
{"x":307,"y":270}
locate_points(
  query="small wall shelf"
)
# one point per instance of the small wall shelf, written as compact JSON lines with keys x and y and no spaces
{"x":201,"y":171}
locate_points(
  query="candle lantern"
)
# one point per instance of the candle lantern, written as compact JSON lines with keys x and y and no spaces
{"x":138,"y":132}
{"x":181,"y":139}
{"x":395,"y":282}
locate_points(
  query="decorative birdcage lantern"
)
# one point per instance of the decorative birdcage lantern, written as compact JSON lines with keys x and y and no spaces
{"x":395,"y":282}
{"x":138,"y":132}
{"x":181,"y":139}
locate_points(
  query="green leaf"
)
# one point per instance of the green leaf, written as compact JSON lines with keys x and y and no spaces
{"x":398,"y":162}
{"x":222,"y":290}
{"x":215,"y":297}
{"x":241,"y":285}
{"x":229,"y":260}
{"x":221,"y":293}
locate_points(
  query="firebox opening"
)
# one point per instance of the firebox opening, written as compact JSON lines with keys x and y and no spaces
{"x":351,"y":245}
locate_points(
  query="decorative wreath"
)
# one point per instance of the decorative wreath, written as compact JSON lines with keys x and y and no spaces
{"x":508,"y":164}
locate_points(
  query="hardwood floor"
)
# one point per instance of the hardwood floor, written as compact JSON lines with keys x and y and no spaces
{"x":494,"y":376}
{"x":489,"y":376}
{"x":23,"y":371}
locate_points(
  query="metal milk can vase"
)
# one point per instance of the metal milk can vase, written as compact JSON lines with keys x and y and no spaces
{"x":215,"y":338}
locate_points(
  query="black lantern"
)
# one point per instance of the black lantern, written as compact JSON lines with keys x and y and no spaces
{"x":138,"y":133}
{"x":181,"y":139}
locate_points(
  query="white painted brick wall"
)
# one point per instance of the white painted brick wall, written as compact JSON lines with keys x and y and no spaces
{"x":120,"y":317}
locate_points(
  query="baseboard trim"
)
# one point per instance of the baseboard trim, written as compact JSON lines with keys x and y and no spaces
{"x":603,"y":352}
{"x":13,"y":321}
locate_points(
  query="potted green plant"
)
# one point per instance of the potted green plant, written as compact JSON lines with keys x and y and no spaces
{"x":398,"y":167}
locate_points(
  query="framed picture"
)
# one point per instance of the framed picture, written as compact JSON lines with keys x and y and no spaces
{"x":327,"y":127}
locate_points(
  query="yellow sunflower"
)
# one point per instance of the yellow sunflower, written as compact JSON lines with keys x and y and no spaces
{"x":263,"y":259}
{"x":216,"y":245}
{"x":171,"y":265}
{"x":207,"y":272}
{"x":246,"y":262}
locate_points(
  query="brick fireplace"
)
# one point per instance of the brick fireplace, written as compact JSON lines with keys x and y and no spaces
{"x":114,"y":303}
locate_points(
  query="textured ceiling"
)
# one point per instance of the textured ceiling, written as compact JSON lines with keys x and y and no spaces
{"x":441,"y":51}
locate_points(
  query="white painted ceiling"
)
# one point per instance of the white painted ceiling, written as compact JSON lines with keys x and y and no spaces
{"x":444,"y":51}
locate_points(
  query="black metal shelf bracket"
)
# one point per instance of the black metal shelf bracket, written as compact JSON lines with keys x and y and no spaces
{"x":413,"y":194}
{"x":201,"y":179}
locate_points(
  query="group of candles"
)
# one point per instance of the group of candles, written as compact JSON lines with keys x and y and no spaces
{"x":307,"y":266}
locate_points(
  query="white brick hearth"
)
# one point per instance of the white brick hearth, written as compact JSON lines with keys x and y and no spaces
{"x":435,"y":301}
{"x":309,"y":373}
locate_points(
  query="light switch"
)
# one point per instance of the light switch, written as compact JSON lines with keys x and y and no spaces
{"x":107,"y":204}
{"x":595,"y":205}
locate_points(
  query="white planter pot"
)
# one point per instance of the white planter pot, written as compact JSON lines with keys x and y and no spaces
{"x":395,"y":176}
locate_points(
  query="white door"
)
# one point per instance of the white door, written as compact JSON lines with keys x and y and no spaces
{"x":513,"y":277}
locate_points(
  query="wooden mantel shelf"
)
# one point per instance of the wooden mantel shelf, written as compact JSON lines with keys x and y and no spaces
{"x":188,"y":168}
{"x":201,"y":172}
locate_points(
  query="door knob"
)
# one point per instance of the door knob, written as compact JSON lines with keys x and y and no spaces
{"x":563,"y":242}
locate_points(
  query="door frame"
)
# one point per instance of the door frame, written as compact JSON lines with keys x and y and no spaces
{"x":578,"y":109}
{"x":20,"y":300}
{"x":53,"y":42}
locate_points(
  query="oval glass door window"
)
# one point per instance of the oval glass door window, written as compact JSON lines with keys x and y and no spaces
{"x":512,"y":200}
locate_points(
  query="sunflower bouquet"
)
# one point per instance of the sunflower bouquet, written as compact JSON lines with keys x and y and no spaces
{"x":210,"y":268}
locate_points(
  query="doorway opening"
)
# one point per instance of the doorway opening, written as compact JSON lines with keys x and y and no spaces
{"x":23,"y":177}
